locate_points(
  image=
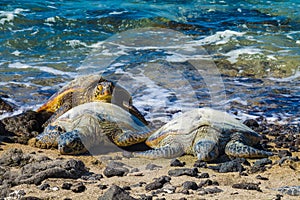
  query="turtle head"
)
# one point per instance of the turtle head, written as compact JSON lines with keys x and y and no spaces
{"x":70,"y":143}
{"x":103,"y":90}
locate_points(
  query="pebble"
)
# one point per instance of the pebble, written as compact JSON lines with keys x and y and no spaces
{"x":30,"y":198}
{"x":176,"y":163}
{"x":247,"y":186}
{"x":102,"y":187}
{"x":44,"y":186}
{"x":184,"y":171}
{"x":207,"y":183}
{"x":116,"y":193}
{"x":210,"y":191}
{"x":190,"y":185}
{"x":260,"y":165}
{"x":261,"y":178}
{"x":66,"y":186}
{"x":203,"y":175}
{"x":158,"y":183}
{"x":115,"y":171}
{"x":200,"y":164}
{"x":145,"y":197}
{"x":284,"y":153}
{"x":78,"y":187}
{"x":230,"y":166}
{"x":151,"y":166}
{"x":290,"y":190}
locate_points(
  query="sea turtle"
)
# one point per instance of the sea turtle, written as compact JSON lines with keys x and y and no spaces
{"x":90,"y":124}
{"x":205,"y":133}
{"x":84,"y":89}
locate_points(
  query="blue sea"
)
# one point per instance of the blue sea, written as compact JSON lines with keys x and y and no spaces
{"x":242,"y":57}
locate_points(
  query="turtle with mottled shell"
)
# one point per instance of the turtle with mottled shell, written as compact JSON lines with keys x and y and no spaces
{"x":89,"y":125}
{"x":85,"y":89}
{"x":205,"y":133}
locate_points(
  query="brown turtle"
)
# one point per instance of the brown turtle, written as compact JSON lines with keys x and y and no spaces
{"x":85,"y":89}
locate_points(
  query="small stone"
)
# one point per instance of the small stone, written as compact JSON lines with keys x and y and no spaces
{"x":200,"y":164}
{"x":284,"y":153}
{"x":247,"y":186}
{"x":145,"y":197}
{"x":133,"y":170}
{"x":30,"y":198}
{"x":115,"y":171}
{"x":78,"y":187}
{"x":67,"y":198}
{"x":183,"y":198}
{"x":158,"y":183}
{"x":190,"y":185}
{"x":213,"y":190}
{"x":102,"y":187}
{"x":127,"y":188}
{"x":203,"y":175}
{"x":176,"y":163}
{"x":55,"y":188}
{"x":205,"y":183}
{"x":151,"y":166}
{"x":185,"y":171}
{"x":230,"y":166}
{"x":251,"y":123}
{"x":185,"y":191}
{"x":116,"y":193}
{"x":261,"y":178}
{"x":44,"y":186}
{"x":66,"y":186}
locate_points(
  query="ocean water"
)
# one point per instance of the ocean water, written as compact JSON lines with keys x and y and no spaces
{"x":242,"y":57}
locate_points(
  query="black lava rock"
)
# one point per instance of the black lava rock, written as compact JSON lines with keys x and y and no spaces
{"x":151,"y":166}
{"x":200,"y":164}
{"x":203,"y":175}
{"x":30,"y":198}
{"x":247,"y":186}
{"x":210,"y":190}
{"x":251,"y":123}
{"x":176,"y":163}
{"x":260,"y":165}
{"x":110,"y":172}
{"x":5,"y":106}
{"x":66,"y":186}
{"x":261,"y":178}
{"x":116,"y":193}
{"x":44,"y":186}
{"x":284,"y":153}
{"x":26,"y":125}
{"x":190,"y":185}
{"x":207,"y":183}
{"x":158,"y":183}
{"x":78,"y":187}
{"x":185,"y":171}
{"x":102,"y":187}
{"x":230,"y":166}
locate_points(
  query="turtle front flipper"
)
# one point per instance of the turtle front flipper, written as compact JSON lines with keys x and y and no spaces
{"x":48,"y":139}
{"x":169,"y":151}
{"x":236,"y":148}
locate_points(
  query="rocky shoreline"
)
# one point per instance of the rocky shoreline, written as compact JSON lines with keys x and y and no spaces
{"x":30,"y":173}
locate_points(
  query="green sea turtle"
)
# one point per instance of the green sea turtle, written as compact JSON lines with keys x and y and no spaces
{"x":205,"y":133}
{"x":90,"y":124}
{"x":84,"y":89}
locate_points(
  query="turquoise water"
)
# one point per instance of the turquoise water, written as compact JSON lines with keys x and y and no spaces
{"x":254,"y":44}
